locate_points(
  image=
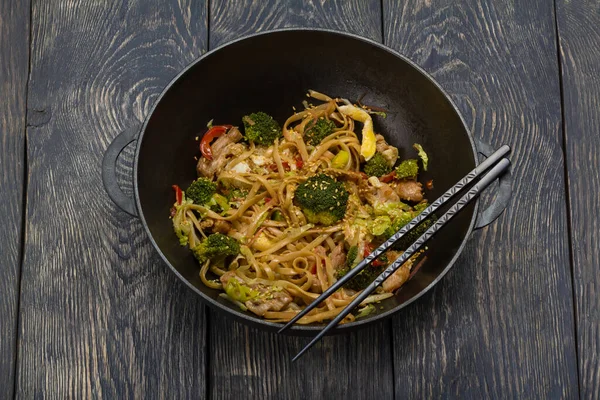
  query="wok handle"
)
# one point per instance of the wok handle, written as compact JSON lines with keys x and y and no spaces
{"x":504,"y":195}
{"x":109,"y":171}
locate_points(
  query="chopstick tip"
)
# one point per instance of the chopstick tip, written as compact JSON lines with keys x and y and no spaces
{"x":301,"y":353}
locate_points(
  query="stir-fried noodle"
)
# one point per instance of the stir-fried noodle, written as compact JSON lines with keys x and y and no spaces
{"x":278,"y":214}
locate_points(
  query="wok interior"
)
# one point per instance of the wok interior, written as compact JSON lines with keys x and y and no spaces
{"x":272,"y":73}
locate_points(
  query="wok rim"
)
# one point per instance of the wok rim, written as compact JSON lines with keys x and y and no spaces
{"x":255,"y":320}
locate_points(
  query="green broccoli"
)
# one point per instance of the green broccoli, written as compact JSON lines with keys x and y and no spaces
{"x":408,"y":169}
{"x":367,"y":275}
{"x":216,"y":246}
{"x":261,"y":128}
{"x":277,"y":216}
{"x":410,"y":237}
{"x":351,"y":262}
{"x":351,"y":257}
{"x":322,"y":199}
{"x":318,"y":130}
{"x":201,"y":191}
{"x":377,"y":166}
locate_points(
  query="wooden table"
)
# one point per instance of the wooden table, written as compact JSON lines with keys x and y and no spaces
{"x":88,"y":309}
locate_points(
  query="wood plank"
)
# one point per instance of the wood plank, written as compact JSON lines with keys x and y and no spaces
{"x":249,"y":363}
{"x":102,"y":316}
{"x":500,"y":325}
{"x":14,"y":67}
{"x":579,"y":33}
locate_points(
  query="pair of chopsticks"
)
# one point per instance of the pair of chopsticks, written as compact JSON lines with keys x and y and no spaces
{"x":498,"y":165}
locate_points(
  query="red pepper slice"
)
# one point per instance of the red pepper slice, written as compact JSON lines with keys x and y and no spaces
{"x":388,"y":177}
{"x":178,"y":194}
{"x":368,"y":250}
{"x":284,"y":164}
{"x":208,"y":137}
{"x":299,"y":163}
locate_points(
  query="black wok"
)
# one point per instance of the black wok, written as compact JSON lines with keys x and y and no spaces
{"x":272,"y":72}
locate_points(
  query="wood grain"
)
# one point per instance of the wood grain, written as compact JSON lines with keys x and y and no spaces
{"x":101,"y":315}
{"x":500,"y":325}
{"x":14,"y":67}
{"x":579,"y":33}
{"x":249,"y":363}
{"x":233,"y":19}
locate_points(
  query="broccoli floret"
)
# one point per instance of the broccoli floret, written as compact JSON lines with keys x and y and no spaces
{"x":318,"y":130}
{"x":369,"y":273}
{"x":378,"y":166}
{"x":261,"y":128}
{"x":277,"y":216}
{"x":322,"y":199}
{"x":351,"y":257}
{"x":216,"y":246}
{"x":201,"y":191}
{"x":408,"y":169}
{"x":351,"y":261}
{"x":364,"y":277}
{"x":410,"y":237}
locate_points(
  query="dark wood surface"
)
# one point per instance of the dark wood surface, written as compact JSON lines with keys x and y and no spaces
{"x":579,"y":31}
{"x":101,"y":315}
{"x":14,"y":67}
{"x":501,"y":323}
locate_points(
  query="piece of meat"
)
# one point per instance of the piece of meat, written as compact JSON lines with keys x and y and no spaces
{"x":385,"y":193}
{"x":232,"y":136}
{"x":269,"y":298}
{"x":321,"y":251}
{"x":397,"y":279}
{"x":208,"y":168}
{"x":377,"y":193}
{"x":388,"y":151}
{"x":346,"y":175}
{"x":206,"y":223}
{"x":222,"y":149}
{"x":229,"y":275}
{"x":275,"y":301}
{"x":222,"y":226}
{"x":338,"y":257}
{"x":410,"y":190}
